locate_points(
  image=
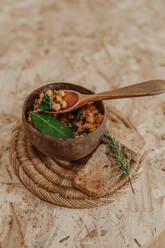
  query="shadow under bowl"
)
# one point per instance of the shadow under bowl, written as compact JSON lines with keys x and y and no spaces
{"x":60,"y":148}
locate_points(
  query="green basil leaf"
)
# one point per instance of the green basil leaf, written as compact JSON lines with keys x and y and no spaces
{"x":49,"y":126}
{"x":46,"y":103}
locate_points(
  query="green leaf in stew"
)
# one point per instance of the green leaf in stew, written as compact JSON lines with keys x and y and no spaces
{"x":49,"y":126}
{"x":78,"y":116}
{"x":46,"y":103}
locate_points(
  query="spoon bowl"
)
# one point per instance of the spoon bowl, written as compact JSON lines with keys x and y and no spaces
{"x":74,"y":101}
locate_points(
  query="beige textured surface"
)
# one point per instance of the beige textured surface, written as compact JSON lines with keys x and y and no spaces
{"x":100,"y":44}
{"x":157,"y":242}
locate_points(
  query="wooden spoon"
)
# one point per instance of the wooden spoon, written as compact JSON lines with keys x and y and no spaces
{"x":76,"y":100}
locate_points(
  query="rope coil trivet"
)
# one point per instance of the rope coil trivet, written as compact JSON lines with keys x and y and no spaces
{"x":53,"y":180}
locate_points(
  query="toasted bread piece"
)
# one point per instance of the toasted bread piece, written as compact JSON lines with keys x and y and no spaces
{"x":95,"y":177}
{"x":98,"y":175}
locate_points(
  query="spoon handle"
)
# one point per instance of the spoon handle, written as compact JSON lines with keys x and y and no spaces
{"x":147,"y":88}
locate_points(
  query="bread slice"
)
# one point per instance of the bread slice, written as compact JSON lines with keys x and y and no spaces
{"x":95,"y":177}
{"x":98,"y":175}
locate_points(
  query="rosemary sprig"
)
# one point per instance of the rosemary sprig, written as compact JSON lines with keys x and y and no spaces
{"x":121,"y":162}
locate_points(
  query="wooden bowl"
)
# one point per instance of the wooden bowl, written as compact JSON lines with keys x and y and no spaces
{"x":60,"y":148}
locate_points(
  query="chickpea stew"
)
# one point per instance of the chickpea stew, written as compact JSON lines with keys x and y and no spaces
{"x":81,"y":121}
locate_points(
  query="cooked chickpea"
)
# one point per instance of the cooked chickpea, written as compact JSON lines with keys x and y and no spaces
{"x":64,"y":104}
{"x":41,"y":95}
{"x":40,"y":98}
{"x":87,"y":125}
{"x":56,"y":106}
{"x":49,"y":93}
{"x":90,"y":119}
{"x":58,"y":98}
{"x":79,"y":124}
{"x":39,"y":101}
{"x":98,"y":117}
{"x":29,"y":118}
{"x":61,"y":93}
{"x":92,"y":108}
{"x":95,"y":111}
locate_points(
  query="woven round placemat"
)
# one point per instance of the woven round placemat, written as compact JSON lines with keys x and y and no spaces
{"x":52,"y":180}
